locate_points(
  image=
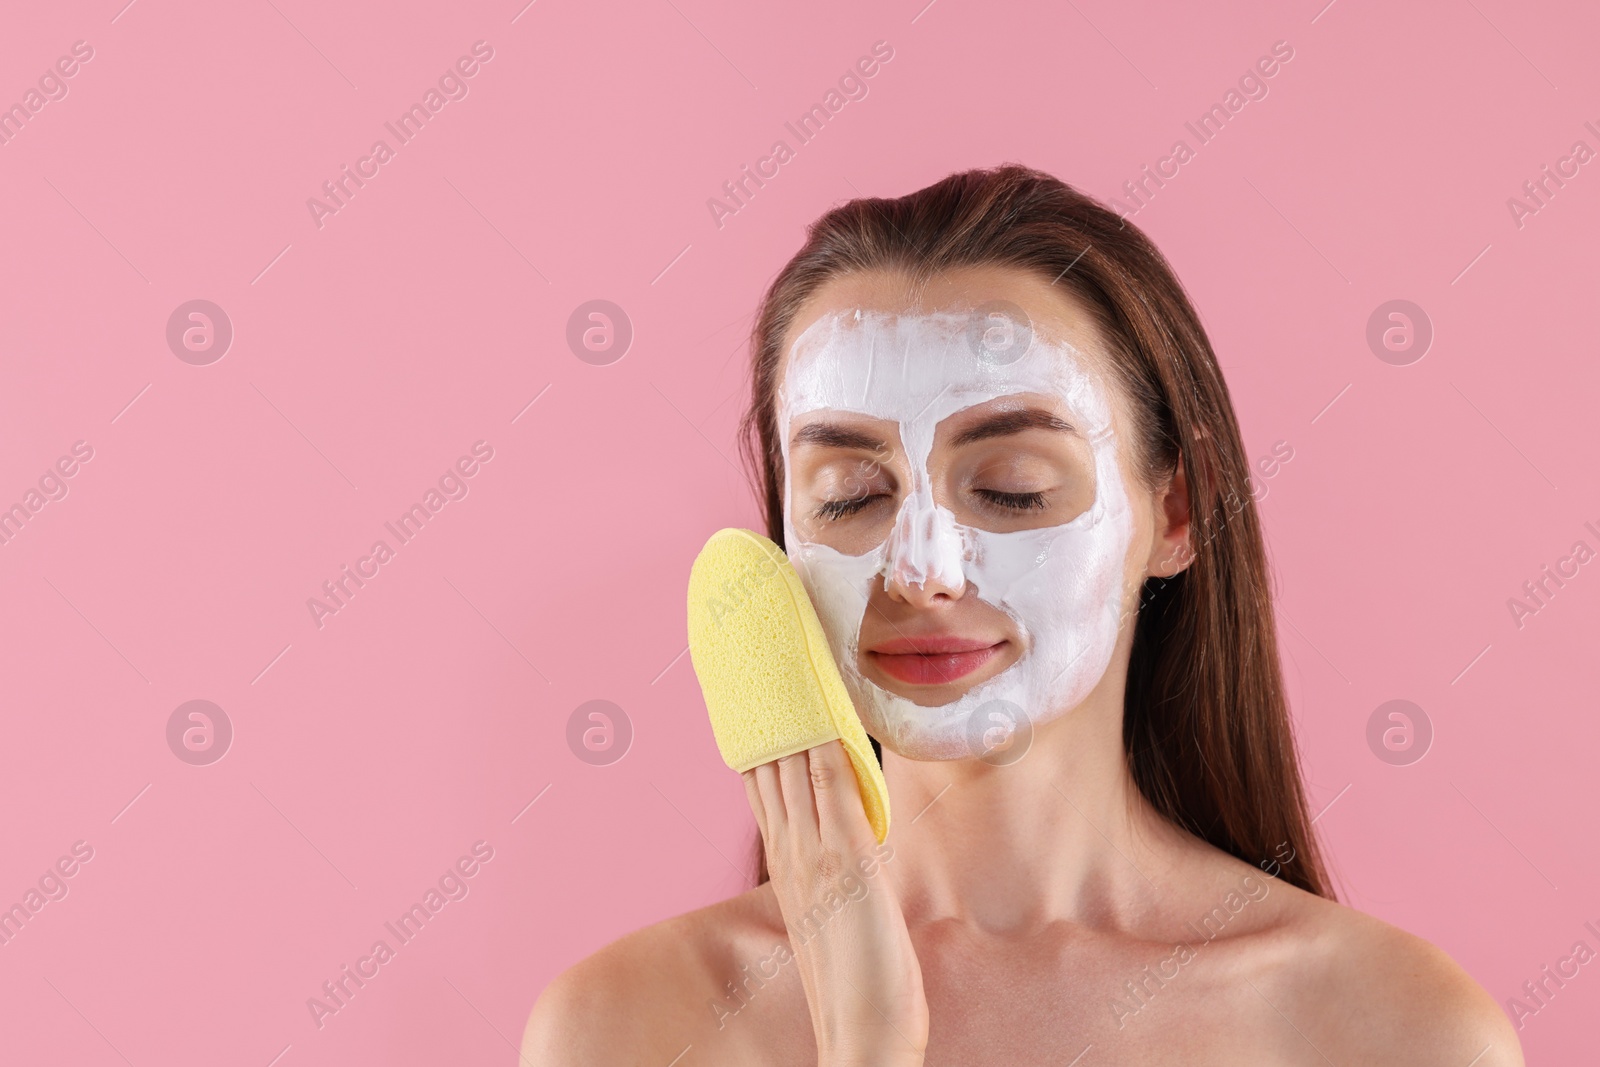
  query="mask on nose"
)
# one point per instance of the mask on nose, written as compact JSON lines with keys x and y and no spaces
{"x":1061,"y":586}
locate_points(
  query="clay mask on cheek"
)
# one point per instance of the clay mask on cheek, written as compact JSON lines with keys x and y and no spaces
{"x":1060,"y":585}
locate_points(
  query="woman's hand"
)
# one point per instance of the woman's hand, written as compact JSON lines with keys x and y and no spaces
{"x":862,"y":980}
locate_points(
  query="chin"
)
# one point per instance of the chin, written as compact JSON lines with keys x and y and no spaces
{"x":924,"y":748}
{"x":939,"y":723}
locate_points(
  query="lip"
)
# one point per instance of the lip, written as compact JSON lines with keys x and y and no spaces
{"x":935,"y":659}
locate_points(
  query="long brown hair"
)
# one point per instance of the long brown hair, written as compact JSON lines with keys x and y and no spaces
{"x":1205,"y":719}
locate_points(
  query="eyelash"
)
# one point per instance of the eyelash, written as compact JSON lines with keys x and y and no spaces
{"x":833,"y":510}
{"x":1014,"y":501}
{"x":838,"y":509}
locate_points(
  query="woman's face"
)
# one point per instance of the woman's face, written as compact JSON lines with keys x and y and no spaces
{"x":959,"y":503}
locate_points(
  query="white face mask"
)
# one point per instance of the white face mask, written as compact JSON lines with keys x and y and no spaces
{"x":1060,"y":585}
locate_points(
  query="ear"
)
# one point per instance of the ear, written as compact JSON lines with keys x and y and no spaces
{"x":1171,"y":550}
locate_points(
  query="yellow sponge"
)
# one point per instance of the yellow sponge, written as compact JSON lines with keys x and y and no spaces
{"x":770,"y":683}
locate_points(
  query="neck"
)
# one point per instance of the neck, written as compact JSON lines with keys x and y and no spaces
{"x":1061,"y":834}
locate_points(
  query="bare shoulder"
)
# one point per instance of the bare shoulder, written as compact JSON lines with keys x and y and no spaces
{"x":644,"y":997}
{"x":1378,"y":995}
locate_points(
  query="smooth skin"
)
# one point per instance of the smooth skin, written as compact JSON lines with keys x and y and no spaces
{"x":1020,"y":914}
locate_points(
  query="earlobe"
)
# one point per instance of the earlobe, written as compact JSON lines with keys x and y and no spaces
{"x":1173,"y":561}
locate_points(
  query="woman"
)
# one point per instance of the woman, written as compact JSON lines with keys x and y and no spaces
{"x":993,"y":438}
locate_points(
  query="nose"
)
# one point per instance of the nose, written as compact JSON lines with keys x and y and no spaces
{"x":923,"y":562}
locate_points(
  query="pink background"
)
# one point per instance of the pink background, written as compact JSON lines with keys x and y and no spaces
{"x":370,"y":753}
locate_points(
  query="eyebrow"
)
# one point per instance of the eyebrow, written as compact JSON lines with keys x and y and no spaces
{"x":833,"y":435}
{"x":1005,"y":423}
{"x":1000,"y":424}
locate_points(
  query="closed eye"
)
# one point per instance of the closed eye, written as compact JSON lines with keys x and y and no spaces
{"x":838,"y":509}
{"x":1013,"y":501}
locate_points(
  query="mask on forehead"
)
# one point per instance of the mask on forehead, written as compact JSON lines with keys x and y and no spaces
{"x":1060,"y":585}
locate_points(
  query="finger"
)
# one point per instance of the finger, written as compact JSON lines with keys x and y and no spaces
{"x":771,"y":795}
{"x":841,"y":814}
{"x":795,"y":773}
{"x":758,"y":807}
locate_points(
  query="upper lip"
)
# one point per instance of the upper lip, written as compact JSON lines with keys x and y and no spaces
{"x":931,"y":645}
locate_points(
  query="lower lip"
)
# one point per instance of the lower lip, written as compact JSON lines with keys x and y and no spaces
{"x":938,"y":669}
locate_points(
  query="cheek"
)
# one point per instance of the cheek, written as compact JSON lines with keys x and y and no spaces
{"x":839,"y":587}
{"x":1141,"y":543}
{"x":1095,"y":572}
